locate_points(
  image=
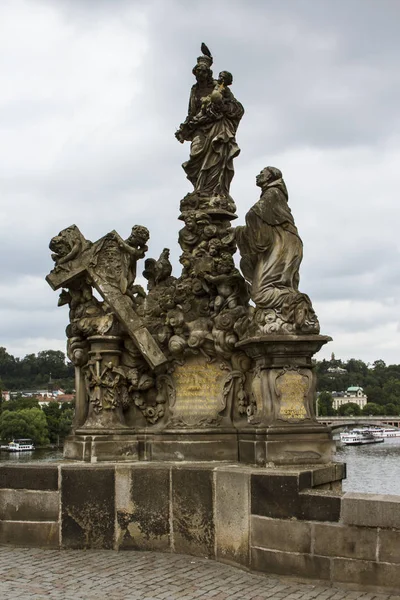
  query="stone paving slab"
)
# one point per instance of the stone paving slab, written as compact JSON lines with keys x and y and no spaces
{"x":36,"y":574}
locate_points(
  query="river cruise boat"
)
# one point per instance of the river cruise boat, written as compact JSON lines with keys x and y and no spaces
{"x":385,"y":432}
{"x":359,"y":437}
{"x":20,"y":445}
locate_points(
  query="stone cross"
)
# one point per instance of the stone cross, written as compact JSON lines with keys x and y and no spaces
{"x":106,"y":263}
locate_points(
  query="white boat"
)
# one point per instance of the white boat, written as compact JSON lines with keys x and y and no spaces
{"x":20,"y":445}
{"x":385,"y":432}
{"x":359,"y":437}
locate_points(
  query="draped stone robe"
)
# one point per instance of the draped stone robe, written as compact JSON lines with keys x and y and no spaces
{"x":271,"y":249}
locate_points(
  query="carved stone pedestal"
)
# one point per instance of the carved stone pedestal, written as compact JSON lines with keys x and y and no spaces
{"x":104,"y":447}
{"x":102,"y":384}
{"x":283,"y":429}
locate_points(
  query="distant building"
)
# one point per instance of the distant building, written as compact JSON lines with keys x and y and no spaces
{"x":36,"y":393}
{"x":59,"y":399}
{"x":336,"y":370}
{"x":354,"y":394}
{"x":42,"y":397}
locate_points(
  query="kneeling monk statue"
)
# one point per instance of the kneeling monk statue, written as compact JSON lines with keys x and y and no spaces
{"x":271,"y":252}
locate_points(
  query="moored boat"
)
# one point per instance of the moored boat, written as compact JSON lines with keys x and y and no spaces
{"x":385,"y":432}
{"x":20,"y":445}
{"x":359,"y":437}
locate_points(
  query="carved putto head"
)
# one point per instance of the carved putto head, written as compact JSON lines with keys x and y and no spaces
{"x":139,"y":236}
{"x":225,"y":78}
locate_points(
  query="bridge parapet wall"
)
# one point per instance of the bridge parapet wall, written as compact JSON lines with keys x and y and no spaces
{"x":283,"y":521}
{"x":361,"y":421}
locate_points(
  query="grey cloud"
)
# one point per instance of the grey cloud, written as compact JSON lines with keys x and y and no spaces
{"x":310,"y":75}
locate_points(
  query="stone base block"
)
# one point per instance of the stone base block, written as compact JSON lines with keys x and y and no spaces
{"x":30,"y":533}
{"x":302,"y":566}
{"x":28,"y":505}
{"x":286,"y":447}
{"x":194,"y":446}
{"x":98,"y":448}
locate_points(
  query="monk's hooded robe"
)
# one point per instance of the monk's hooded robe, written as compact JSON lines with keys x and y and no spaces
{"x":271,"y":250}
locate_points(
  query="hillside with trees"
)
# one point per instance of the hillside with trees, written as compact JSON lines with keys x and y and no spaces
{"x":380,"y":382}
{"x":22,"y":417}
{"x":33,"y":371}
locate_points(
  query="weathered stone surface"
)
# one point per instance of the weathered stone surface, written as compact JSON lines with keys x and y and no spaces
{"x":232,"y":516}
{"x":345,"y":541}
{"x":292,"y":450}
{"x":28,"y":505}
{"x":389,"y":545}
{"x":252,"y":451}
{"x":371,"y":510}
{"x":328,"y":474}
{"x":366,"y":573}
{"x":285,"y":534}
{"x":143,"y":508}
{"x":285,"y":563}
{"x":87,"y":507}
{"x":192,"y":511}
{"x":34,"y":534}
{"x":118,"y":448}
{"x":278,"y":496}
{"x":274,"y":496}
{"x":199,"y":398}
{"x":319,"y":506}
{"x":194,"y":447}
{"x":29,"y":477}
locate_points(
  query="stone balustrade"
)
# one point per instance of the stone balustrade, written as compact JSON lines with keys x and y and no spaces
{"x":286,"y":521}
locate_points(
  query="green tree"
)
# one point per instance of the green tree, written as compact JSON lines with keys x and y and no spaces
{"x":53,"y":412}
{"x":325,"y":408}
{"x":65,"y":422}
{"x":391,"y":390}
{"x":348,"y":410}
{"x":373,"y":409}
{"x":374,"y":393}
{"x":19,"y":403}
{"x":392,"y":409}
{"x":59,"y":420}
{"x":26,"y":423}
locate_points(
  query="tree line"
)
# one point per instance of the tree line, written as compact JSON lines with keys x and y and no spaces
{"x":33,"y":371}
{"x":380,"y":382}
{"x":23,"y":417}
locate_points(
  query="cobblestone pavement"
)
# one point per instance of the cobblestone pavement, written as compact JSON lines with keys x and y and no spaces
{"x":29,"y":573}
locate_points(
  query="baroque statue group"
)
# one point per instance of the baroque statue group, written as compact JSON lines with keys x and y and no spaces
{"x":213,"y":364}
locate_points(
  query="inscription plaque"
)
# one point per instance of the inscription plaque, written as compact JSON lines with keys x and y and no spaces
{"x":199,"y":394}
{"x":292,"y":388}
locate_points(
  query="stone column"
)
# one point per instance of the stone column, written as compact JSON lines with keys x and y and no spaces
{"x":102,"y":385}
{"x":282,"y":427}
{"x":81,"y":399}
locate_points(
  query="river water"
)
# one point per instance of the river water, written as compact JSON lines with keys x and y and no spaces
{"x":373,"y":468}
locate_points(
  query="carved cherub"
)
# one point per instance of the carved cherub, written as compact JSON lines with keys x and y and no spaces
{"x":220,"y":92}
{"x":136,"y":247}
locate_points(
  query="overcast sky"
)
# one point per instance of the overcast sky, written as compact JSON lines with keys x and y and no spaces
{"x":92,"y":92}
